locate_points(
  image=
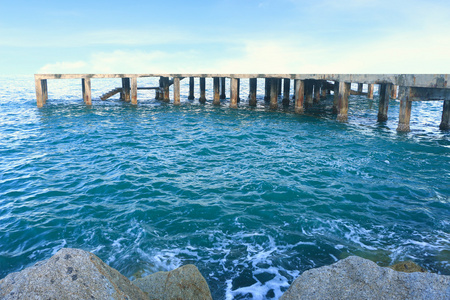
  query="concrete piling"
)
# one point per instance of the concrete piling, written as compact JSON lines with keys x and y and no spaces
{"x":317,"y":85}
{"x":267,"y":82}
{"x":202,"y":98}
{"x":252,"y":95}
{"x":405,"y":109}
{"x":39,"y":95}
{"x":335,"y":98}
{"x":370,"y":91}
{"x":133,"y":84}
{"x":125,"y":94}
{"x":385,"y":93}
{"x":86,"y":90}
{"x":445,"y":121}
{"x":166,"y":90}
{"x":176,"y":91}
{"x":239,"y":90}
{"x":274,"y":93}
{"x":286,"y":90}
{"x":360,"y":88}
{"x":233,"y":93}
{"x":222,"y":87}
{"x":216,"y":88}
{"x":394,"y":92}
{"x":299,"y":93}
{"x":279,"y":84}
{"x":308,"y":93}
{"x":323,"y":89}
{"x":344,"y":92}
{"x":191,"y":88}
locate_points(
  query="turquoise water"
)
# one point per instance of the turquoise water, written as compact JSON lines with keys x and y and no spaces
{"x":252,"y":197}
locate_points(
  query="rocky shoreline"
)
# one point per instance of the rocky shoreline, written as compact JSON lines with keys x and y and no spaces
{"x":78,"y":274}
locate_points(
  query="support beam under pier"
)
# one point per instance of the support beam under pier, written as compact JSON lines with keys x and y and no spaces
{"x":125,"y":95}
{"x":370,"y":91}
{"x":233,"y":92}
{"x":216,"y":88}
{"x":308,"y":93}
{"x":445,"y":122}
{"x":191,"y":88}
{"x":267,"y":82}
{"x":405,"y":109}
{"x":202,"y":98}
{"x":176,"y":91}
{"x":360,"y":88}
{"x":335,"y":98}
{"x":286,"y":90}
{"x":40,"y":99}
{"x":394,"y":92}
{"x":344,"y":92}
{"x":133,"y":84}
{"x":317,"y":85}
{"x":299,"y":95}
{"x":385,"y":93}
{"x":86,"y":88}
{"x":274,"y":93}
{"x":222,"y":87}
{"x":252,"y":95}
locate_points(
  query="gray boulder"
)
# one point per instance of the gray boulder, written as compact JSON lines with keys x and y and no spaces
{"x":185,"y":283}
{"x":69,"y":274}
{"x":359,"y":278}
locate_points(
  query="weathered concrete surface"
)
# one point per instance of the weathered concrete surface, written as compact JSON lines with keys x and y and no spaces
{"x":185,"y":283}
{"x":69,"y":274}
{"x":359,"y":278}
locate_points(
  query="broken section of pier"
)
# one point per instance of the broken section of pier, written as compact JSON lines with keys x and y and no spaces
{"x":308,"y":90}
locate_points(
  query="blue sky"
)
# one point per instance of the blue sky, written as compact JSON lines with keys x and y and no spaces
{"x":228,"y":36}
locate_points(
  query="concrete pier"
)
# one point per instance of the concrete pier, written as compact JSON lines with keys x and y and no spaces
{"x":360,"y":88}
{"x":222,"y":87}
{"x":286,"y":91}
{"x":238,"y":90}
{"x":233,"y":93}
{"x":274,"y":93}
{"x":216,"y":91}
{"x":252,"y":94}
{"x":445,"y":121}
{"x":86,"y":90}
{"x":412,"y":87}
{"x":405,"y":109}
{"x":299,"y":93}
{"x":202,"y":98}
{"x":385,"y":93}
{"x":344,"y":92}
{"x":191,"y":88}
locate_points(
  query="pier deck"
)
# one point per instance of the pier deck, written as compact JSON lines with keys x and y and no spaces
{"x":308,"y":89}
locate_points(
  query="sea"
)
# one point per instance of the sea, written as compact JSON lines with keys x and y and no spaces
{"x":253,"y":197}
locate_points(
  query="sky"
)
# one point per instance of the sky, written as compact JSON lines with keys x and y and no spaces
{"x":224,"y":36}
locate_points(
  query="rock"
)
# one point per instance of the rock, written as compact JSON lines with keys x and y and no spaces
{"x":69,"y":274}
{"x":185,"y":283}
{"x":407,"y":267}
{"x":359,"y":278}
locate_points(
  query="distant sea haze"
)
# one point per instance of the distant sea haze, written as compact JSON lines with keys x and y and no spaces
{"x":252,"y":197}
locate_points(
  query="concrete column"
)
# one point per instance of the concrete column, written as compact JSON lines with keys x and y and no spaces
{"x":161,"y":86}
{"x":216,"y":88}
{"x":238,"y":90}
{"x":308,"y":93}
{"x":44,"y":90}
{"x":176,"y":91}
{"x":133,"y":84}
{"x":252,"y":96}
{"x":394,"y":92}
{"x":267,"y":82}
{"x":274,"y":93}
{"x":344,"y":92}
{"x":191,"y":88}
{"x":126,"y":90}
{"x":233,"y":93}
{"x":222,"y":86}
{"x":202,"y":98}
{"x":39,"y":93}
{"x":323,"y":89}
{"x":336,"y":98}
{"x":404,"y":115}
{"x":385,"y":92}
{"x":317,"y":85}
{"x":299,"y":95}
{"x":370,"y":91}
{"x":166,"y":89}
{"x":360,"y":88}
{"x":286,"y":90}
{"x":279,"y":84}
{"x":86,"y":87}
{"x":445,"y":122}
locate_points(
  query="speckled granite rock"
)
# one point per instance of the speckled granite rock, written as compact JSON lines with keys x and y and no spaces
{"x":359,"y":278}
{"x":407,"y":267}
{"x":69,"y":274}
{"x":185,"y":283}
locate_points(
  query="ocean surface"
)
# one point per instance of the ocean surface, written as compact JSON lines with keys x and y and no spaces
{"x":252,"y":197}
